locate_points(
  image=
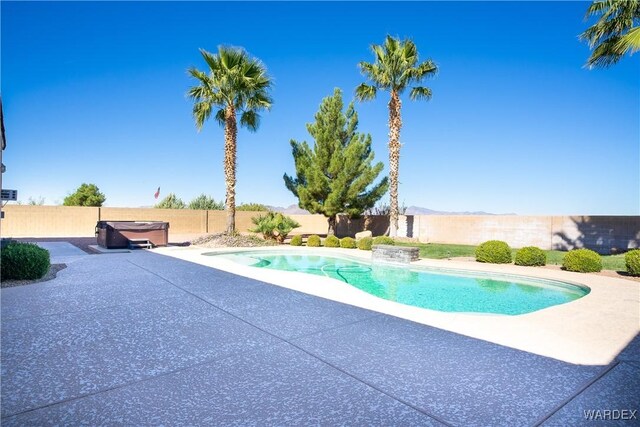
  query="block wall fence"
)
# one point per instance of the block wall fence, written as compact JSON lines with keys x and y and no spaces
{"x":605,"y":234}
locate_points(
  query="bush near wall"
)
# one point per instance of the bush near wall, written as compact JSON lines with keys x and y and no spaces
{"x":331,"y":242}
{"x":347,"y":243}
{"x":494,"y":251}
{"x":383,"y":240}
{"x":582,"y":261}
{"x":632,"y":262}
{"x":24,"y":261}
{"x":365,"y":243}
{"x":314,"y":241}
{"x":296,"y":240}
{"x":531,"y":256}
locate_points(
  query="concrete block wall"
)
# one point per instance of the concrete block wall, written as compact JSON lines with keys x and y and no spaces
{"x":180,"y":220}
{"x":605,"y":234}
{"x":49,"y":221}
{"x":517,"y":231}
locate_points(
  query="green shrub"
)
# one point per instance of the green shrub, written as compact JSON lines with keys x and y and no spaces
{"x":365,"y":243}
{"x":273,"y":226}
{"x":314,"y":241}
{"x":331,"y":242}
{"x":531,"y":256}
{"x":632,"y":261}
{"x":582,"y":261}
{"x":383,"y":240}
{"x":347,"y":243}
{"x":494,"y":251}
{"x":24,"y":261}
{"x":296,"y":240}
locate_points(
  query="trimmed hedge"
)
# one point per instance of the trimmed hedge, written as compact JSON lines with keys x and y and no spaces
{"x":331,"y":242}
{"x":296,"y":240}
{"x":531,"y":256}
{"x":582,"y":261}
{"x":347,"y":243}
{"x":365,"y":243}
{"x":494,"y":251}
{"x":383,"y":240}
{"x":314,"y":241}
{"x":632,"y":261}
{"x":24,"y":261}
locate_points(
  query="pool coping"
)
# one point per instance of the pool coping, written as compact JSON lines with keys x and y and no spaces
{"x":589,"y":331}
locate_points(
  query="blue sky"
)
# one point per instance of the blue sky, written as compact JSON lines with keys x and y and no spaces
{"x":95,"y":92}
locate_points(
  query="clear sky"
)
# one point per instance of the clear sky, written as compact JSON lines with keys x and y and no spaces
{"x":95,"y":92}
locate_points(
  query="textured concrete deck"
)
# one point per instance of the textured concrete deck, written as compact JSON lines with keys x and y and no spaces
{"x":145,"y":339}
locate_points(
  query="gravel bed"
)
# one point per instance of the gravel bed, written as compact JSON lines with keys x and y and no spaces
{"x":221,"y":240}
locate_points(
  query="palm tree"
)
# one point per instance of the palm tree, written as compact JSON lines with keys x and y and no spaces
{"x":396,"y":67}
{"x":615,"y":34}
{"x":235,"y":83}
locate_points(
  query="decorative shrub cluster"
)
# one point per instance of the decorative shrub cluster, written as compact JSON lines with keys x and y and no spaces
{"x":383,"y":240}
{"x":24,"y":261}
{"x":331,"y":242}
{"x":274,"y":226}
{"x":365,"y":243}
{"x":494,"y":251}
{"x":632,"y":261}
{"x":582,"y":261}
{"x":314,"y":241}
{"x":296,"y":240}
{"x":348,"y":243}
{"x":531,"y":256}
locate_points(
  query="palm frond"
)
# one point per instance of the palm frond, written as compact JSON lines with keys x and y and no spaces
{"x":365,"y":92}
{"x":614,"y":33}
{"x":234,"y":79}
{"x":201,"y":113}
{"x":250,"y":120}
{"x":420,"y":93}
{"x":220,"y":117}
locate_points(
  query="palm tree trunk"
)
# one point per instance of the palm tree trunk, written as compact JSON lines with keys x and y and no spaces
{"x":230,"y":135}
{"x":395,"y":123}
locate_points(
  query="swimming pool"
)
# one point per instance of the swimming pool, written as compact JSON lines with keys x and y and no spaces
{"x":442,"y":290}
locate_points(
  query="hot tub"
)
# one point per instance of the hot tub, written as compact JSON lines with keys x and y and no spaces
{"x":116,"y":234}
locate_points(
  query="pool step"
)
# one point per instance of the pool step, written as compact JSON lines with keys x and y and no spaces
{"x":140,"y":244}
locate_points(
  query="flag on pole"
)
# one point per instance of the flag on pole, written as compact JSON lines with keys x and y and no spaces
{"x":157,"y":193}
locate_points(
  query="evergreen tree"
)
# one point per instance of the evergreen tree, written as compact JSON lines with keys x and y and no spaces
{"x":85,"y":195}
{"x":336,"y":175}
{"x":204,"y":202}
{"x":171,"y":202}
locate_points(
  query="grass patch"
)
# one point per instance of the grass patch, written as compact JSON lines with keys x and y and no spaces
{"x":443,"y":251}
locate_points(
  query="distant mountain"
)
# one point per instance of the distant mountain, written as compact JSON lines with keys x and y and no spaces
{"x":417,"y":210}
{"x":411,"y":210}
{"x":290,"y":210}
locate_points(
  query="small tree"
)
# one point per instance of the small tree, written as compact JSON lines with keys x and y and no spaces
{"x":85,"y":195}
{"x":334,"y":176}
{"x":171,"y":202}
{"x":205,"y":202}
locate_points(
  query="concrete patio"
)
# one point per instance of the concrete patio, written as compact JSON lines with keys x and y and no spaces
{"x":144,"y":339}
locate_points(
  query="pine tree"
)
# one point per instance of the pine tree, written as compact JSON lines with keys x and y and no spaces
{"x":336,"y":175}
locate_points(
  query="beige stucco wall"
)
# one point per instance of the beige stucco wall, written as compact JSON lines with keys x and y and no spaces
{"x":517,"y":231}
{"x":602,"y":233}
{"x":49,"y":221}
{"x":180,"y":220}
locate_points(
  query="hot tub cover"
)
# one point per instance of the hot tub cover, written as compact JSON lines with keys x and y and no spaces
{"x":134,"y":225}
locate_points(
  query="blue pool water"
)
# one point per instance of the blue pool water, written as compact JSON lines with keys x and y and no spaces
{"x":451,"y":291}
